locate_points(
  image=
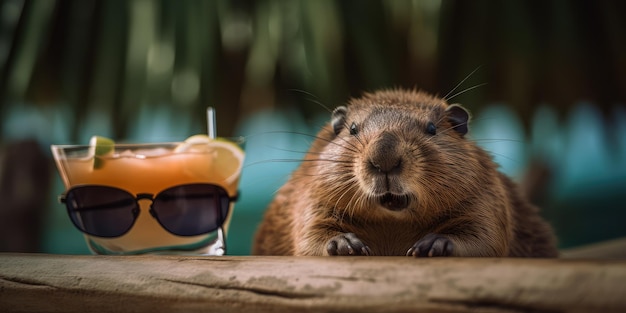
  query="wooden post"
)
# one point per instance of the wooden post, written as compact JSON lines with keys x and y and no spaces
{"x":61,"y":283}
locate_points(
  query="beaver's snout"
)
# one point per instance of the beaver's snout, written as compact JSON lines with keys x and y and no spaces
{"x":384,"y":157}
{"x":385,"y":164}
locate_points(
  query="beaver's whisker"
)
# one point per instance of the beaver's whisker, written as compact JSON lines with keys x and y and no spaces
{"x":313,"y":98}
{"x":466,"y":90}
{"x":459,"y":84}
{"x":494,"y":140}
{"x":337,"y":193}
{"x":329,"y":160}
{"x":350,"y":208}
{"x":351,"y":145}
{"x":272,"y":161}
{"x":354,"y":148}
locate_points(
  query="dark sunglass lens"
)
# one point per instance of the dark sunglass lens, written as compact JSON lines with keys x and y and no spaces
{"x":101,"y":210}
{"x":190,"y":210}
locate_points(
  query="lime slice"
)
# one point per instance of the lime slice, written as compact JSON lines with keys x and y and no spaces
{"x":194,"y":142}
{"x":227,"y":155}
{"x":100,"y":147}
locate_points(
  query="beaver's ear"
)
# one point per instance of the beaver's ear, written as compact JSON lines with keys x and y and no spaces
{"x":459,"y":117}
{"x":338,"y":120}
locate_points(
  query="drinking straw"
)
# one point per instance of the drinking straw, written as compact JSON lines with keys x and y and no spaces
{"x":210,"y":117}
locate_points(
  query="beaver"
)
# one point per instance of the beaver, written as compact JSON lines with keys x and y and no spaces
{"x":393,"y":173}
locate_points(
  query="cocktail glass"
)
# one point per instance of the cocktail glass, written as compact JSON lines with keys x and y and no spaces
{"x":148,"y":169}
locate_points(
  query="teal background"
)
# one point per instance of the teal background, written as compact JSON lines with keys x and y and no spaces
{"x":545,"y":81}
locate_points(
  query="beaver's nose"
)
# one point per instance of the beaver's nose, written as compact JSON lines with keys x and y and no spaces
{"x":384,"y":156}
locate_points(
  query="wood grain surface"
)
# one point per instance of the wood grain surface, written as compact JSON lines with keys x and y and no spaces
{"x":63,"y":283}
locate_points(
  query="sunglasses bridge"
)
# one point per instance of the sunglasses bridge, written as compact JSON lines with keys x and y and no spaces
{"x":147,"y":196}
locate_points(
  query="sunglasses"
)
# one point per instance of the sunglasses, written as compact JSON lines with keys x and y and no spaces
{"x":184,"y":210}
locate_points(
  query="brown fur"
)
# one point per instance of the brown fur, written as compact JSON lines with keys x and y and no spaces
{"x":333,"y":202}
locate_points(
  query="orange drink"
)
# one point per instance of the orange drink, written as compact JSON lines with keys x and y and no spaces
{"x":127,"y":189}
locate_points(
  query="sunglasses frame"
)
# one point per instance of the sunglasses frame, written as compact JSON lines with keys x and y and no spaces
{"x":136,"y":207}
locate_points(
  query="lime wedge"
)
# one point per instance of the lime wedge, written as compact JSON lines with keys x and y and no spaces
{"x":227,"y":155}
{"x":100,"y":147}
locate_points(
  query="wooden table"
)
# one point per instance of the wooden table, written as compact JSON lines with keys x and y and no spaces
{"x":62,"y":283}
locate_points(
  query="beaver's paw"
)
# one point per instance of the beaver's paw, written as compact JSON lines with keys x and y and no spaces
{"x":347,"y":244}
{"x":432,"y":245}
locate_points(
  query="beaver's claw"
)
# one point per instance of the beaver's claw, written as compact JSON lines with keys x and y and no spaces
{"x":347,"y":244}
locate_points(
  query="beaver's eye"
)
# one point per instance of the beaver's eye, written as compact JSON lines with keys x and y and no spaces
{"x":431,"y":129}
{"x":354,"y":129}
